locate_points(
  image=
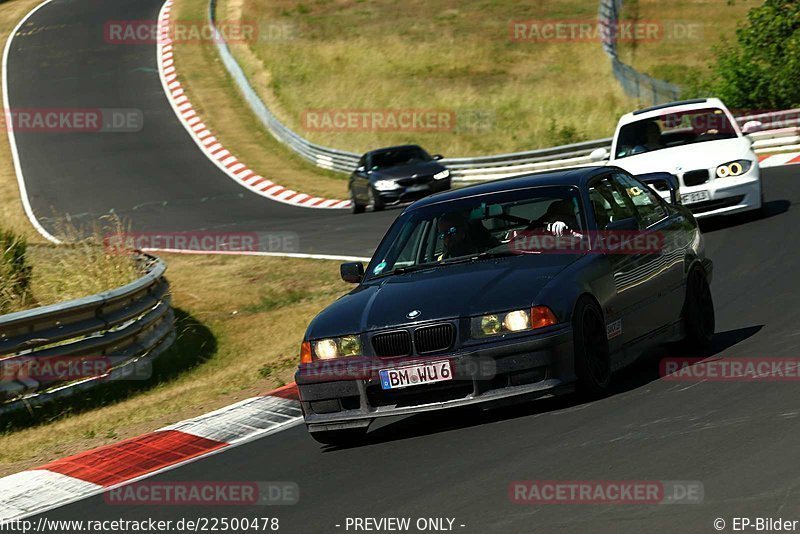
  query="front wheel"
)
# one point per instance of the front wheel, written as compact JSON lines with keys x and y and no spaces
{"x":592,"y":358}
{"x":375,"y":200}
{"x":698,"y":310}
{"x":340,"y":438}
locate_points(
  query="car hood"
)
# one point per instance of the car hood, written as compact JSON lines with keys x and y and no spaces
{"x":446,"y":292}
{"x":407,"y":171}
{"x":706,"y":155}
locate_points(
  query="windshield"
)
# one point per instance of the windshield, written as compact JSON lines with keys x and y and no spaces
{"x":452,"y":232}
{"x":399,"y":156}
{"x":673,"y":129}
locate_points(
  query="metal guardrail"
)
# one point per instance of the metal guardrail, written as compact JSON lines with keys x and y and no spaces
{"x":635,"y":84}
{"x":469,"y":169}
{"x":117,"y":333}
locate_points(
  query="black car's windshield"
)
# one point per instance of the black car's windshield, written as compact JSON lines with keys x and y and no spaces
{"x":483,"y":226}
{"x":396,"y":157}
{"x":673,"y":129}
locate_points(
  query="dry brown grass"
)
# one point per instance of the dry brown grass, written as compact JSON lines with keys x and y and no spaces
{"x":691,"y":28}
{"x":215,"y":97}
{"x":452,"y":55}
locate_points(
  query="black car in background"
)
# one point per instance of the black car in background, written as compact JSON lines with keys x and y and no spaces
{"x":394,"y":175}
{"x":520,"y":287}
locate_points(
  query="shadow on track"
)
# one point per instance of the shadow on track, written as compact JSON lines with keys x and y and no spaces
{"x":770,"y":209}
{"x":644,"y":371}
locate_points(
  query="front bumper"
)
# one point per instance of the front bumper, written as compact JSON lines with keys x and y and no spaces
{"x":414,"y":192}
{"x":534,"y":365}
{"x":727,"y":195}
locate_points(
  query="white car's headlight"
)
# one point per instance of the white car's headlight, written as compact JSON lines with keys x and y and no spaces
{"x":340,"y":347}
{"x":734,"y":168}
{"x":386,"y":185}
{"x":441,"y":175}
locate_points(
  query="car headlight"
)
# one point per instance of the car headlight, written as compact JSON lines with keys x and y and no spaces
{"x":513,"y":321}
{"x":441,"y":175}
{"x":734,"y":168}
{"x":340,"y":347}
{"x":386,"y":185}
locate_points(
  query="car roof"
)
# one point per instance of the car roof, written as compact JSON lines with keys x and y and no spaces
{"x":682,"y":105}
{"x":390,"y":148}
{"x":574,"y":176}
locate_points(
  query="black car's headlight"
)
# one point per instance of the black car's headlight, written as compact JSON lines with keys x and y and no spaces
{"x":734,"y":168}
{"x":441,"y":175}
{"x":386,"y":185}
{"x":338,"y":347}
{"x":513,"y":321}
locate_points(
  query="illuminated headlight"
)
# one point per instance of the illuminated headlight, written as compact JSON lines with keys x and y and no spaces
{"x":340,"y":347}
{"x":441,"y":175}
{"x":513,"y":321}
{"x":734,"y":168}
{"x":386,"y":185}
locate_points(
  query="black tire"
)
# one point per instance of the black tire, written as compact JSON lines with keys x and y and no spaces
{"x":698,"y":311}
{"x":355,"y":207}
{"x":341,"y":438}
{"x":375,"y":201}
{"x":592,"y":359}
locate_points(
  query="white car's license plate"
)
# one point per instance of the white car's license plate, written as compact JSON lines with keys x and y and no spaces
{"x":415,"y":375}
{"x":695,"y":196}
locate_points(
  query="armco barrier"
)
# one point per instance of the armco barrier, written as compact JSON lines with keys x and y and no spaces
{"x":482,"y":168}
{"x":125,"y":329}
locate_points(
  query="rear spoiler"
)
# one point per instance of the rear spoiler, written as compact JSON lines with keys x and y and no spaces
{"x":663,"y":182}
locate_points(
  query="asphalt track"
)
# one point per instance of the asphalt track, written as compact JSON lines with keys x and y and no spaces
{"x":156,"y":180}
{"x":739,"y":439}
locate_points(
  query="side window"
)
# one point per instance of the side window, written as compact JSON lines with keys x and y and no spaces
{"x":609,"y":204}
{"x":650,"y":207}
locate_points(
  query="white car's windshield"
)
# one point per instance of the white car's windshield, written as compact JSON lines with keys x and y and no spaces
{"x":673,"y":129}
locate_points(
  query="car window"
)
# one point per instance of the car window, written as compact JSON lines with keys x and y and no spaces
{"x":489,"y":224}
{"x":649,"y":206}
{"x":609,"y":203}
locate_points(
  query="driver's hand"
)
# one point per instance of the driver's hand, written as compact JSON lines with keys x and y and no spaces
{"x":558,"y":228}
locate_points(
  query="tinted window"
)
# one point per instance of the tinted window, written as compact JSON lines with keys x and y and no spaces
{"x":649,"y":205}
{"x":399,"y":156}
{"x":609,"y":203}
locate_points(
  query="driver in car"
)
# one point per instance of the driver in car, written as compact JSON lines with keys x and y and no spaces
{"x":462,"y":239}
{"x":559,"y":218}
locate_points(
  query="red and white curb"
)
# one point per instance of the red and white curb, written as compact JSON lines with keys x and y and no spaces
{"x":93,"y":472}
{"x":777,"y":160}
{"x":208,"y":143}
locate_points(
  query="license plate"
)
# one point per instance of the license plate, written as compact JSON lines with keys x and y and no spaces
{"x":415,"y":375}
{"x":416,"y":188}
{"x":696,"y":196}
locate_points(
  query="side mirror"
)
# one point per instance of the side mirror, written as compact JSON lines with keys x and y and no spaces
{"x":663,"y":182}
{"x":752,"y":126}
{"x":437,"y":157}
{"x":599,"y":154}
{"x":352,"y":272}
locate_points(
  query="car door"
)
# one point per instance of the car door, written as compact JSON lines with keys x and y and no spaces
{"x":667,"y":262}
{"x":625,"y":317}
